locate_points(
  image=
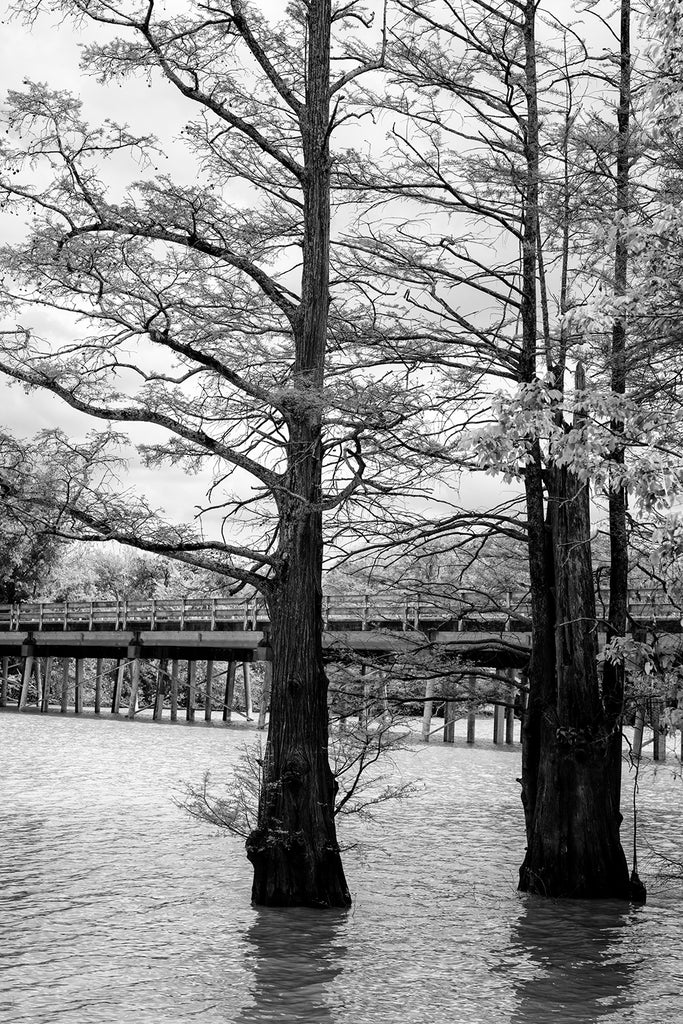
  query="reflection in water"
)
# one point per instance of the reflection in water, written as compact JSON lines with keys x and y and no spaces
{"x":294,"y":956}
{"x":571,"y":964}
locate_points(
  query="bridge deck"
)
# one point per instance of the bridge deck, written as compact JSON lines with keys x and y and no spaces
{"x":253,"y":645}
{"x":484,"y":630}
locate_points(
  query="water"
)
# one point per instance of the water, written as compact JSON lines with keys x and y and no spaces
{"x":117,"y":908}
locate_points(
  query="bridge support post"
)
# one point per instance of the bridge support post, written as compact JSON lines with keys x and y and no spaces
{"x":208,"y":691}
{"x":510,"y":708}
{"x":65,"y":686}
{"x":386,"y":713}
{"x":658,"y":737}
{"x":37,"y":671}
{"x":638,"y":731}
{"x":342,"y":708}
{"x":25,"y":680}
{"x":175,"y":672}
{"x":229,"y":695}
{"x":498,"y":722}
{"x":265,"y":697}
{"x":118,"y":686}
{"x":4,"y":683}
{"x":79,"y":685}
{"x":428,"y":710}
{"x":509,"y":725}
{"x":134,"y":686}
{"x":191,"y":677}
{"x":471,"y":717}
{"x":364,"y":697}
{"x":98,"y":686}
{"x":449,"y":722}
{"x":248,"y":706}
{"x":158,"y":712}
{"x":45,"y":703}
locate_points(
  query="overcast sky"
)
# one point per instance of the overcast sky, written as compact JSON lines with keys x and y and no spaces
{"x":49,"y":52}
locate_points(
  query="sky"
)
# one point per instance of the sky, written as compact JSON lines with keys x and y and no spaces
{"x":49,"y":52}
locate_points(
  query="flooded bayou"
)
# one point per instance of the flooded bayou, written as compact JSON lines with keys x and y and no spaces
{"x":117,"y":907}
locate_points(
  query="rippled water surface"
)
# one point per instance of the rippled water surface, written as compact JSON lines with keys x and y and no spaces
{"x":116,"y":907}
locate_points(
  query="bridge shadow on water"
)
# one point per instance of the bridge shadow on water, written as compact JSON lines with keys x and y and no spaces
{"x":294,"y":956}
{"x":572,"y":961}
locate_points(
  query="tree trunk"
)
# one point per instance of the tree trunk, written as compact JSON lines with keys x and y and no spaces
{"x":574,"y":847}
{"x":571,"y":813}
{"x":541,"y":668}
{"x":542,"y":664}
{"x":294,"y":848}
{"x":613,"y":674}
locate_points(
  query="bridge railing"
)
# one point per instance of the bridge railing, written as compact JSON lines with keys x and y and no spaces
{"x":654,"y":604}
{"x":464,"y":610}
{"x":126,"y":614}
{"x":411,"y":611}
{"x":405,"y":611}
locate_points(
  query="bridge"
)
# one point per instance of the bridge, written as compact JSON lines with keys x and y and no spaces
{"x":485,"y":632}
{"x":192,"y":628}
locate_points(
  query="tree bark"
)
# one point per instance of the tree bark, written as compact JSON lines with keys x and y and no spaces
{"x":574,"y":846}
{"x":294,"y":848}
{"x":613,"y":674}
{"x":541,"y":668}
{"x":542,"y":663}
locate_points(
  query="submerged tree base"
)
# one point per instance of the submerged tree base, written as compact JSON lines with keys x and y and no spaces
{"x":633,"y":892}
{"x":575,"y":849}
{"x":288,"y":873}
{"x":638,"y":890}
{"x":587,"y":888}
